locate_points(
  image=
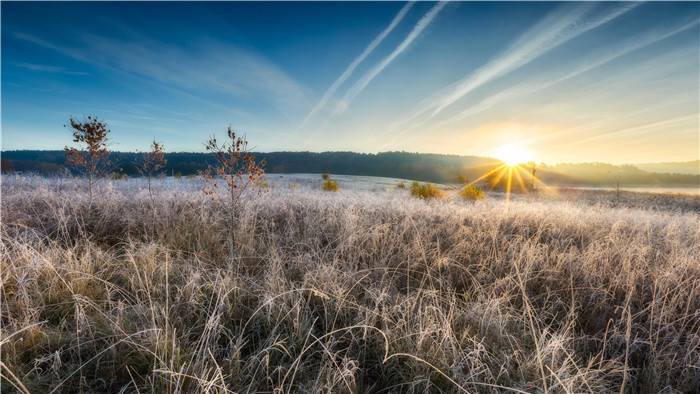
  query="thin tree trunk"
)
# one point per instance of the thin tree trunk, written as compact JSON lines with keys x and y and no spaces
{"x":153,"y":207}
{"x":149,"y":190}
{"x":90,"y":203}
{"x":233,"y":228}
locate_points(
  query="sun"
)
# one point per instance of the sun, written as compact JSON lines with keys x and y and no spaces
{"x":512,"y":155}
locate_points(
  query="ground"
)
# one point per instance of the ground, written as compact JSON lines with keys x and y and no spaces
{"x":364,"y":289}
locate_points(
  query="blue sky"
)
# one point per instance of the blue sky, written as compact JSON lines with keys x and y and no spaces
{"x":564,"y":82}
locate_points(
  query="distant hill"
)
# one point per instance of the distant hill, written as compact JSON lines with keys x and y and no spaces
{"x":405,"y":165}
{"x":681,"y":167}
{"x":605,"y":174}
{"x":418,"y":166}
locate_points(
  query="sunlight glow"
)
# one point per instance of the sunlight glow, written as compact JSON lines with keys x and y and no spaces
{"x":512,"y":155}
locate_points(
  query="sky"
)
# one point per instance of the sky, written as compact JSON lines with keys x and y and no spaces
{"x":556,"y":82}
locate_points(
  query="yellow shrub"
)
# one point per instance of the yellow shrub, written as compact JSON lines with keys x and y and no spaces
{"x":330,"y":186}
{"x":472,"y":193}
{"x":427,"y":190}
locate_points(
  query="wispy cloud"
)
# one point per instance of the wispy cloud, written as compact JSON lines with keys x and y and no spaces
{"x":379,"y":67}
{"x":353,"y":65}
{"x":211,"y":67}
{"x":673,"y":124}
{"x":555,"y":29}
{"x":50,"y":69}
{"x":599,"y":59}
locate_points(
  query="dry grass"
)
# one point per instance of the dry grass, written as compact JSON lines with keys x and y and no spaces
{"x":344,"y":292}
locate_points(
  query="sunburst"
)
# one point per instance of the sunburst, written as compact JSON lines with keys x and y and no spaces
{"x":513,"y":168}
{"x":513,"y":154}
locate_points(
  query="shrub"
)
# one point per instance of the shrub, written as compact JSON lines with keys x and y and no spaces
{"x":117,"y":176}
{"x":472,"y":193}
{"x":236,"y":166}
{"x":401,"y":185}
{"x":426,"y":190}
{"x":325,"y":176}
{"x":178,"y":175}
{"x":91,"y":156}
{"x":150,"y":164}
{"x":191,"y":176}
{"x":461,"y":179}
{"x":330,"y":186}
{"x":6,"y":166}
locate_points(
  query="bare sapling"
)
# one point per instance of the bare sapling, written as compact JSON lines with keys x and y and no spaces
{"x":533,"y":171}
{"x":150,"y":165}
{"x":91,"y":157}
{"x":237,"y":168}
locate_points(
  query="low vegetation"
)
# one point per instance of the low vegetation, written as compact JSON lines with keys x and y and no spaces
{"x":330,"y":186}
{"x":358,"y":292}
{"x":472,"y":193}
{"x":426,"y":190}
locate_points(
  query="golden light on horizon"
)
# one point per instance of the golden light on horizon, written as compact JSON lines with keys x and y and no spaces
{"x":513,"y":154}
{"x":515,"y":173}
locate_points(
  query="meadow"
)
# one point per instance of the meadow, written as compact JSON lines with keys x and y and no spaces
{"x":366,"y":289}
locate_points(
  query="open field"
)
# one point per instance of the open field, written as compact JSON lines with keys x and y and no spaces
{"x":363,"y":290}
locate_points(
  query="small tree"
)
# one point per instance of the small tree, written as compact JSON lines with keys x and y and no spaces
{"x":461,"y":179}
{"x":151,"y":163}
{"x":91,"y":156}
{"x":533,"y":170}
{"x":238,"y":169}
{"x":616,"y":174}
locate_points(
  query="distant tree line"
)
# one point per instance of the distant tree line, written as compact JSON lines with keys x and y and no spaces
{"x":609,"y":174}
{"x":422,"y":167}
{"x":415,"y":166}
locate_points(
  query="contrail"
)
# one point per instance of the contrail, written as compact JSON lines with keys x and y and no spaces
{"x":653,"y":127}
{"x":348,"y":71}
{"x":524,"y":89}
{"x":551,"y":32}
{"x":371,"y":74}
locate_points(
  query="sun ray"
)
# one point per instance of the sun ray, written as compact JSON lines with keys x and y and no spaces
{"x":537,"y":180}
{"x":510,"y":180}
{"x":485,"y":175}
{"x":499,"y":176}
{"x":519,"y":178}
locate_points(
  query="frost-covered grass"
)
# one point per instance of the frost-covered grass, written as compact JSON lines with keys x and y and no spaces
{"x":366,"y":289}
